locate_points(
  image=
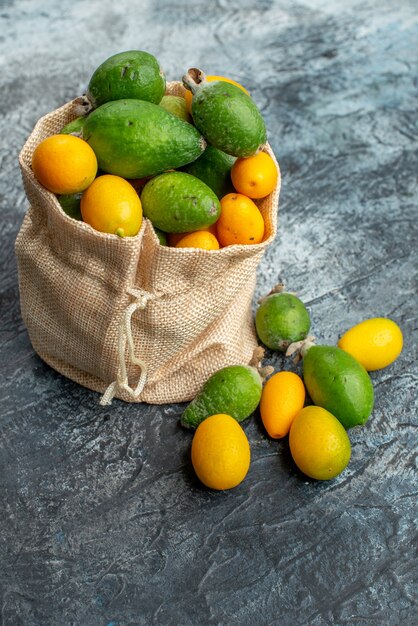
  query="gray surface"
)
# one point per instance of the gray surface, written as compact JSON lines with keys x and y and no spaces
{"x":102,"y":520}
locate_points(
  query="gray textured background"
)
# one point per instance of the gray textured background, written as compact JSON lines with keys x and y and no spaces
{"x":101,"y":518}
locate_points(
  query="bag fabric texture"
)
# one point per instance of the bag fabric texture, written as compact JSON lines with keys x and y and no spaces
{"x":128,"y":317}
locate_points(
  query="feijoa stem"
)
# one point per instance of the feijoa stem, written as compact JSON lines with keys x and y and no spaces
{"x":256,"y":362}
{"x":193,"y":79}
{"x":279,"y":288}
{"x":300,"y":348}
{"x":82,"y":105}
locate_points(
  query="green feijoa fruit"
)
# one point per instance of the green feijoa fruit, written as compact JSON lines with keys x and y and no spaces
{"x":133,"y":74}
{"x":234,"y":390}
{"x":226,"y":116}
{"x":339,"y":384}
{"x":162,"y":237}
{"x":214,"y":168}
{"x":71,"y":205}
{"x":75,"y":127}
{"x":134,"y":139}
{"x":176,"y":202}
{"x":281,"y":319}
{"x":177,"y":106}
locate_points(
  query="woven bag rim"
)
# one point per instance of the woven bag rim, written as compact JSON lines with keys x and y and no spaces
{"x":170,"y":250}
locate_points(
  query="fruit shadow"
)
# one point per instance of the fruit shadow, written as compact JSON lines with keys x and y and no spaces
{"x":187,"y":471}
{"x":285,"y":460}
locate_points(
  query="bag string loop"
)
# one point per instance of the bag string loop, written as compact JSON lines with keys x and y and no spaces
{"x":125,"y":337}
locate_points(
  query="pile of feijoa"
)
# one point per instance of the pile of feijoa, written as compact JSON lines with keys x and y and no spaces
{"x":193,"y":165}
